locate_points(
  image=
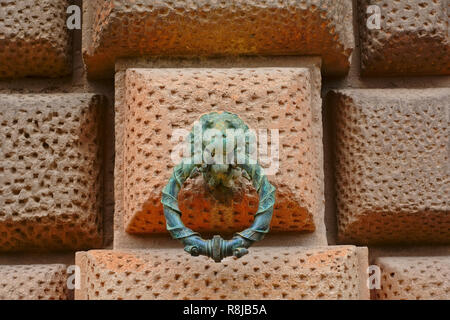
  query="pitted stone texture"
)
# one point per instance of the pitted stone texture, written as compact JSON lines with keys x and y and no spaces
{"x":217,"y":28}
{"x":413,"y":38}
{"x":50,"y":177}
{"x":392,"y":172}
{"x":159,"y":101}
{"x":34,"y":39}
{"x":33,"y":282}
{"x":266,"y":273}
{"x":219,"y":212}
{"x":414,"y":278}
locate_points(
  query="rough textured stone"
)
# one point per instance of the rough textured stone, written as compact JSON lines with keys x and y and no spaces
{"x":50,"y":177}
{"x":266,"y":273}
{"x":34,"y":39}
{"x":33,"y":282}
{"x":211,"y":28}
{"x":161,"y":100}
{"x":392,"y":170}
{"x":413,"y":38}
{"x":414,"y":278}
{"x":219,"y":212}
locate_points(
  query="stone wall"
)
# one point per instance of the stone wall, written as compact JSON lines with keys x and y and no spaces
{"x":87,"y":120}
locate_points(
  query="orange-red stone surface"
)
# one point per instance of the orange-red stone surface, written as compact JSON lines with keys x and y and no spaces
{"x":50,"y":171}
{"x":414,"y":278}
{"x":392,"y":165}
{"x":34,"y":39}
{"x":266,"y":273}
{"x":413,"y":38}
{"x":115,"y":29}
{"x":33,"y":282}
{"x":158,"y":101}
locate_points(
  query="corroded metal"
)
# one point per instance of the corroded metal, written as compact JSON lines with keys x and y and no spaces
{"x":223,"y":175}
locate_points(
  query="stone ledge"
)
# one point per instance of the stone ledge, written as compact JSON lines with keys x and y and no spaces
{"x":217,"y":28}
{"x":266,"y":273}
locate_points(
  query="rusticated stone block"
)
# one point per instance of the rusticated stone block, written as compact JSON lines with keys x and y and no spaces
{"x":50,"y":177}
{"x":33,"y":282}
{"x":413,"y":38}
{"x":217,"y":28}
{"x":266,"y":273}
{"x":392,"y":168}
{"x":34,"y":39}
{"x":414,"y":278}
{"x":159,"y":101}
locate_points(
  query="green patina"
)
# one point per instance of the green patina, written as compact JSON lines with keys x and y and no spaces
{"x":219,"y":175}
